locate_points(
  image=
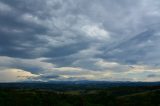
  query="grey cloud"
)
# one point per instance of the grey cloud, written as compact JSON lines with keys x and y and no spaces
{"x":36,"y":66}
{"x":153,"y":76}
{"x":23,"y":28}
{"x":79,"y":33}
{"x":141,"y":49}
{"x":44,"y":78}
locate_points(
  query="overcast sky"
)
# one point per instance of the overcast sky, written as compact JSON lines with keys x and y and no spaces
{"x":48,"y":40}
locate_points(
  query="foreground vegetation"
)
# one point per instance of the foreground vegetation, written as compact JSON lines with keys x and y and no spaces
{"x":116,"y":96}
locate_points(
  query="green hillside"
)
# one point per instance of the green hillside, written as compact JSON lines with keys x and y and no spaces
{"x":151,"y":98}
{"x":119,"y":96}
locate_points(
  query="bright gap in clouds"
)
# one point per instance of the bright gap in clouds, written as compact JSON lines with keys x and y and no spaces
{"x":14,"y":75}
{"x":96,"y":32}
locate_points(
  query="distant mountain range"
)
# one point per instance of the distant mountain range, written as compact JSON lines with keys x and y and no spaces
{"x":68,"y":85}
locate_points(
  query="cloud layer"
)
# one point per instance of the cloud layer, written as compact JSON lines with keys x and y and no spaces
{"x":82,"y":39}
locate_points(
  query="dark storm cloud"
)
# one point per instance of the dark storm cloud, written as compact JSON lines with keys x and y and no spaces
{"x":92,"y":35}
{"x":23,"y":25}
{"x":18,"y":37}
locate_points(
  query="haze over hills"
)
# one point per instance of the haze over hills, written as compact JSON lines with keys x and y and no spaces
{"x":75,"y":85}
